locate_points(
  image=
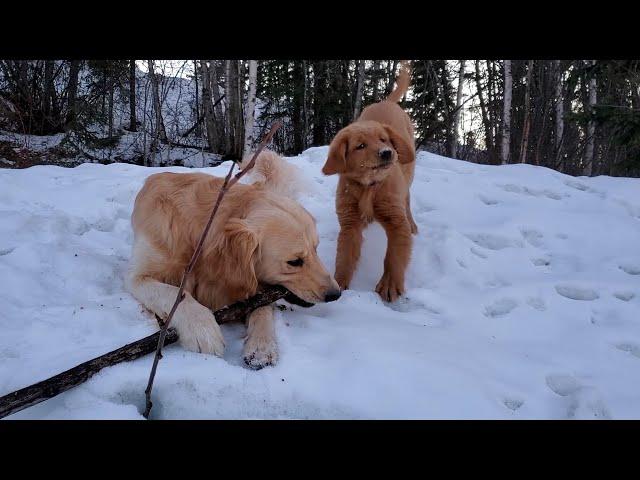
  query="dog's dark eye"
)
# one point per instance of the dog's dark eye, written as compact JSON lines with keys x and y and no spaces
{"x":296,"y":263}
{"x":361,"y":146}
{"x":383,"y":140}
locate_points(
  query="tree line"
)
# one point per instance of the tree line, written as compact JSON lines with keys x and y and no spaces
{"x":580,"y":117}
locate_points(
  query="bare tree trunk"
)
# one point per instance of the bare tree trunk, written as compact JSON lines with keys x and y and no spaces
{"x":234,"y":110}
{"x":197,"y":119}
{"x":103,"y":94}
{"x":305,"y":99}
{"x":239,"y":84}
{"x":145,"y":159}
{"x":591,"y":126}
{"x":72,"y":93}
{"x":161,"y":132}
{"x":132,"y":96}
{"x":229,"y":92}
{"x":559,"y":126}
{"x":490,"y":101}
{"x":319,"y":99}
{"x":485,"y":118}
{"x":541,"y":133}
{"x":298,"y":121}
{"x":456,"y":114}
{"x":251,"y":107}
{"x":506,"y":116}
{"x":110,"y":108}
{"x":47,"y":89}
{"x":527,"y":115}
{"x":214,"y":75}
{"x":374,"y":74}
{"x":391,"y":77}
{"x":358,"y":102}
{"x":209,"y":119}
{"x":448,"y":111}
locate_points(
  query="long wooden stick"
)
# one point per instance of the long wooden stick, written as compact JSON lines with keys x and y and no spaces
{"x":41,"y":391}
{"x":187,"y":271}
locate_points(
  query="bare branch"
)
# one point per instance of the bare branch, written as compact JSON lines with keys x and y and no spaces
{"x":28,"y":396}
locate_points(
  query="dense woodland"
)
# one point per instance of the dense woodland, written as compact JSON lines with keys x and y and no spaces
{"x":580,"y":117}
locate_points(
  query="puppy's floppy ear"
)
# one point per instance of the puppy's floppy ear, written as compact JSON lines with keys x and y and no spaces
{"x":337,"y":158}
{"x":240,"y":249}
{"x":406,"y":151}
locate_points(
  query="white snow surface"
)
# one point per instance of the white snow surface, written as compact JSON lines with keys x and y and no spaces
{"x":522,"y":302}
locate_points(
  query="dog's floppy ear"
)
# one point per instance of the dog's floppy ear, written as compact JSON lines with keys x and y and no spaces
{"x":406,"y":151}
{"x":240,"y":248}
{"x":337,"y":158}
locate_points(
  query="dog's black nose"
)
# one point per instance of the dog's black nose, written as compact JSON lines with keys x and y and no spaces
{"x":385,"y":154}
{"x":332,"y":296}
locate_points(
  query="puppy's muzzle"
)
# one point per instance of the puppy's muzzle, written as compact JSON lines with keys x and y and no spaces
{"x":386,"y":156}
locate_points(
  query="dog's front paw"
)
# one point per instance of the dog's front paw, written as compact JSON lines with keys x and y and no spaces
{"x":260,"y":352}
{"x":198,"y":330}
{"x":390,"y":288}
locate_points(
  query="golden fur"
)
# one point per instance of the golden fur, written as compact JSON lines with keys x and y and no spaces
{"x":254,"y":234}
{"x":374,"y":185}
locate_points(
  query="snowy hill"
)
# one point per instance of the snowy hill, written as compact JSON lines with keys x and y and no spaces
{"x":523,"y":302}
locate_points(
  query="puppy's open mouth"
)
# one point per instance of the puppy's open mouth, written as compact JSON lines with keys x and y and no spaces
{"x":382,"y":166}
{"x":295,"y":300}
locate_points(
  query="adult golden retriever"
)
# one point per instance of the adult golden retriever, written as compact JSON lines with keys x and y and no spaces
{"x":375,"y":158}
{"x":257,"y":237}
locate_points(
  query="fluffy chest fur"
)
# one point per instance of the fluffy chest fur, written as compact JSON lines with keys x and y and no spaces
{"x":365,"y":203}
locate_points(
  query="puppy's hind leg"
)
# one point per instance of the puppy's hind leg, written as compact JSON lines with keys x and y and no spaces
{"x":196,"y":326}
{"x":414,"y":227}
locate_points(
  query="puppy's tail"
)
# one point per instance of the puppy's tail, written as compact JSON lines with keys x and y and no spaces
{"x":274,"y":173}
{"x":402,"y":82}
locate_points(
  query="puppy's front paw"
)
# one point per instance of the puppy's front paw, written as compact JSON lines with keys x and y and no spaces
{"x":260,"y":352}
{"x":342,"y":282}
{"x":198,"y":331}
{"x":390,"y":288}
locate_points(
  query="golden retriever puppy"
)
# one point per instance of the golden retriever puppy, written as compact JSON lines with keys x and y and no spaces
{"x":375,"y":158}
{"x":258,"y":237}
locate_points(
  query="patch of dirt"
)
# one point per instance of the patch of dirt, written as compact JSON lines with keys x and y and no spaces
{"x":15,"y":156}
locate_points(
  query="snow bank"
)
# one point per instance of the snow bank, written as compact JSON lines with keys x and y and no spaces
{"x":523,"y":302}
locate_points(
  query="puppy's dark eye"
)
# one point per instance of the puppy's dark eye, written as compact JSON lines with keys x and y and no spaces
{"x":296,"y":263}
{"x":361,"y":146}
{"x":382,"y":140}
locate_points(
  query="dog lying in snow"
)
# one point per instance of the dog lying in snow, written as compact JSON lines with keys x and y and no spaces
{"x":259,"y":236}
{"x":375,"y":158}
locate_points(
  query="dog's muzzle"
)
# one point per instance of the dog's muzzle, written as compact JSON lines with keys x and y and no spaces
{"x":332,"y":296}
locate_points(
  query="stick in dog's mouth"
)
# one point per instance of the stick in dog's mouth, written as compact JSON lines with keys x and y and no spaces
{"x":295,"y":300}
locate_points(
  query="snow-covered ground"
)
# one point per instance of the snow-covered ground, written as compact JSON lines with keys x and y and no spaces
{"x":523,"y":302}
